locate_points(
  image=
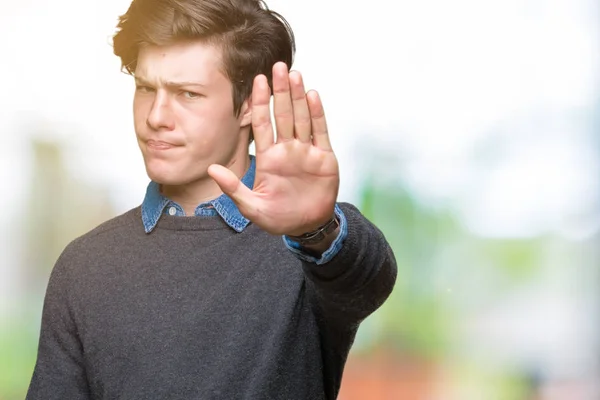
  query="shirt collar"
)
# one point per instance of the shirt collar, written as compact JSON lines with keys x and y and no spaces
{"x":155,"y":203}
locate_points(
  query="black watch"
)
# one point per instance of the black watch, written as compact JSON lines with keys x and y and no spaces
{"x":318,"y":234}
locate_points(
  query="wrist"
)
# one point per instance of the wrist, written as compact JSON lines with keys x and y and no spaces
{"x":319,"y":235}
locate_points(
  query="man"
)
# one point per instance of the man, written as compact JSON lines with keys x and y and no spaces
{"x":238,"y":277}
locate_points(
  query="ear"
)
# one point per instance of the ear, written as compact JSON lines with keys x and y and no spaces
{"x":246,"y":113}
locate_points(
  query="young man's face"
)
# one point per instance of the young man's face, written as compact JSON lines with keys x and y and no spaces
{"x":183,"y":113}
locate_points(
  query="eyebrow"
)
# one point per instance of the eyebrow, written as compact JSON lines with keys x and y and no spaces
{"x":170,"y":84}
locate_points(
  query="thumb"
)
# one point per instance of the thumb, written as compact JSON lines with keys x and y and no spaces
{"x":231,"y":185}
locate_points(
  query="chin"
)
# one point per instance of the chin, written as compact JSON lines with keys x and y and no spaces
{"x":171,"y":176}
{"x":166,"y":177}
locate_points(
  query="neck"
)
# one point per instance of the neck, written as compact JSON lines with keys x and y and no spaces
{"x":205,"y":189}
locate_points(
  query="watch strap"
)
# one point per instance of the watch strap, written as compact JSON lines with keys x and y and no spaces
{"x":318,"y":234}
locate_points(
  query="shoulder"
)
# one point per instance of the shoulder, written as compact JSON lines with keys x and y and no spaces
{"x":104,"y":235}
{"x":129,"y":220}
{"x":74,"y":261}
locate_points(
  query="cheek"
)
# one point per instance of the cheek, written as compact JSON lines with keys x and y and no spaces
{"x":203,"y":141}
{"x":208,"y":128}
{"x":200,"y":128}
{"x":139,"y":115}
{"x":142,"y":105}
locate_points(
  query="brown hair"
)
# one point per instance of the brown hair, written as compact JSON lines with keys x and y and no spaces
{"x":252,"y":37}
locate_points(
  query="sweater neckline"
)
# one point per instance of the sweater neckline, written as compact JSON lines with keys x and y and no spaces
{"x":189,"y":223}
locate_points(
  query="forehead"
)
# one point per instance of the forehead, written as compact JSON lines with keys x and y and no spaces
{"x":182,"y":61}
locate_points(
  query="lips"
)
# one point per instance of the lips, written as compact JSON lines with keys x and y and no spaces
{"x":160,"y":145}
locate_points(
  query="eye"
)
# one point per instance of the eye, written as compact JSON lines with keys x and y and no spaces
{"x":191,"y":95}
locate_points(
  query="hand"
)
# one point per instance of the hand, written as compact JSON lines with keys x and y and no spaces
{"x":297,"y":176}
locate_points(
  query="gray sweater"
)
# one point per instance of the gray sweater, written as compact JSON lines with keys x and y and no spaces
{"x":195,"y":310}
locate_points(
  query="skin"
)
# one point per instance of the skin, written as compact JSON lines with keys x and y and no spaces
{"x":195,"y":147}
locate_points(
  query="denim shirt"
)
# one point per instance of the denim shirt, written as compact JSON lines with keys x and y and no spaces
{"x":155,"y":205}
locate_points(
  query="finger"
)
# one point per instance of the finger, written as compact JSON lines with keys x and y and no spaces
{"x":318,"y":122}
{"x":233,"y":187}
{"x":282,"y":103}
{"x":262,"y":128}
{"x":302,"y":124}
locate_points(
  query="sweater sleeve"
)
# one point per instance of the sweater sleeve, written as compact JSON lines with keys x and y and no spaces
{"x":59,"y":370}
{"x":335,"y":247}
{"x":358,"y":279}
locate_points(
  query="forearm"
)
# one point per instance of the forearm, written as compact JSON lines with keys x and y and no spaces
{"x":360,"y":277}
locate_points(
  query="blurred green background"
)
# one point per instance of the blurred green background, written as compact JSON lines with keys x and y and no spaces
{"x":469,"y":132}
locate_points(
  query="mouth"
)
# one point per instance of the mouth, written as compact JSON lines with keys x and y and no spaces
{"x":160,"y":145}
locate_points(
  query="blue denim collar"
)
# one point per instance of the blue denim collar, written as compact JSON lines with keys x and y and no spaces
{"x":155,"y":205}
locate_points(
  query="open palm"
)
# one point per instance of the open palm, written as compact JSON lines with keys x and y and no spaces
{"x":297,"y":176}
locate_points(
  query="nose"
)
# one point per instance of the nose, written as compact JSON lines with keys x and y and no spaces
{"x":160,"y":116}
